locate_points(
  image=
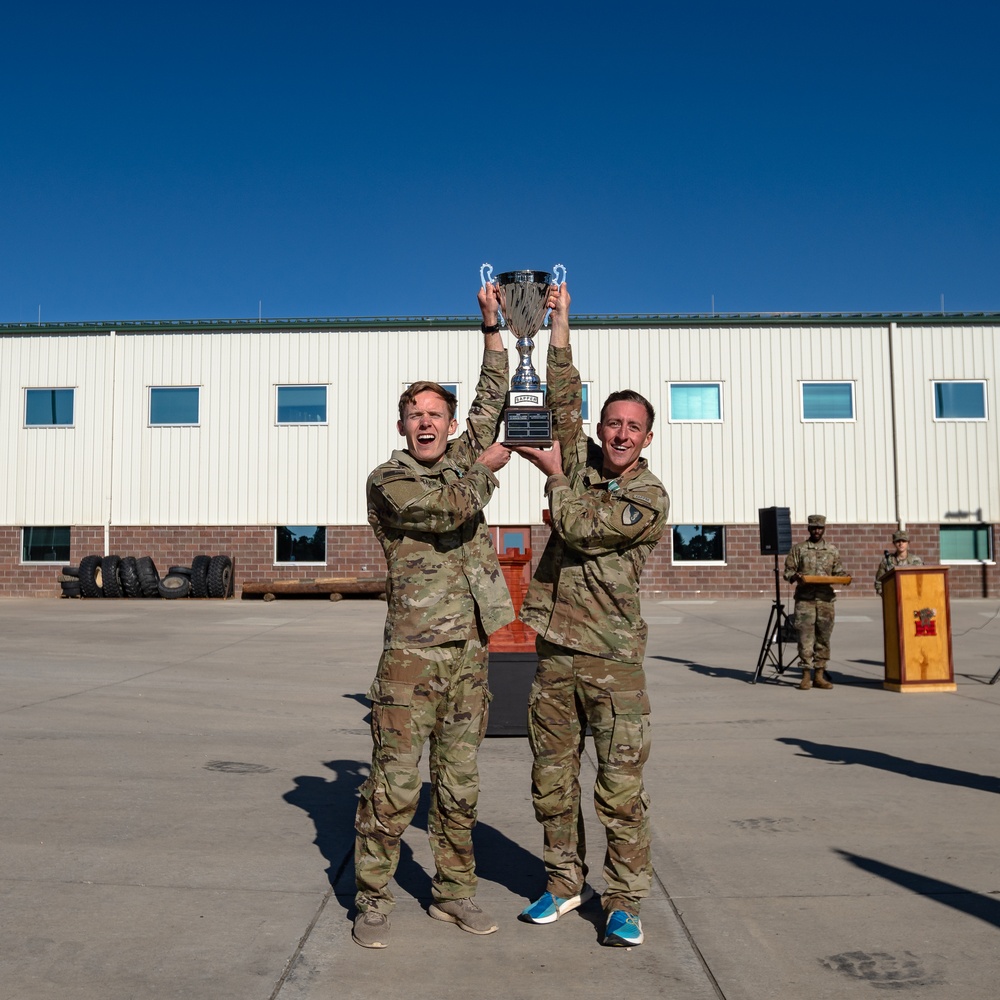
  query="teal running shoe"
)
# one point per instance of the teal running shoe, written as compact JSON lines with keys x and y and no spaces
{"x":623,"y":930}
{"x":548,"y":908}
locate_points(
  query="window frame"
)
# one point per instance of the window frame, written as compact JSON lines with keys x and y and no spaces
{"x":71,"y":389}
{"x":169,"y":388}
{"x":990,"y":560}
{"x":301,"y":562}
{"x":851,"y":383}
{"x":691,"y":383}
{"x":674,"y":561}
{"x":47,"y":527}
{"x":325,"y":386}
{"x":938,"y":419}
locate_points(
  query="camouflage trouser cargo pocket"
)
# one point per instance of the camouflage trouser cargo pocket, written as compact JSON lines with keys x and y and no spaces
{"x":630,"y":730}
{"x":392,"y":716}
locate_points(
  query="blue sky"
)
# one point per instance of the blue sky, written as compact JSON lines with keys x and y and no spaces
{"x":331,"y":159}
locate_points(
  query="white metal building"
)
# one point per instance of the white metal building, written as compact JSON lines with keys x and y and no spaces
{"x":129,"y":434}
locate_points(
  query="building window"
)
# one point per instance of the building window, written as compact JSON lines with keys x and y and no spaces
{"x":699,"y":543}
{"x":45,"y":545}
{"x":584,"y":403}
{"x":301,"y":404}
{"x":966,"y":543}
{"x":696,"y":401}
{"x":48,"y":407}
{"x":512,"y":541}
{"x":300,"y":543}
{"x":173,"y":406}
{"x":959,"y":400}
{"x":827,"y":400}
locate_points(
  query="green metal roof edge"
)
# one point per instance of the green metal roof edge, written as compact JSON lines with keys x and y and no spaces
{"x":643,"y":320}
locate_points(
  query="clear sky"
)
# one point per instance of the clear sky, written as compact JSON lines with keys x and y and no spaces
{"x":333,"y":159}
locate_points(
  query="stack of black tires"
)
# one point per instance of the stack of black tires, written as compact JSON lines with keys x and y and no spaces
{"x":127,"y":576}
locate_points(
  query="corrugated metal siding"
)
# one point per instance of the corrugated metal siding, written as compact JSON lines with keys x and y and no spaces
{"x":55,"y":475}
{"x":239,"y":467}
{"x":949,"y":470}
{"x":763,"y":453}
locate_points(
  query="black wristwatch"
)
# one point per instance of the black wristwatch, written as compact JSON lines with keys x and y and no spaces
{"x":495,"y":328}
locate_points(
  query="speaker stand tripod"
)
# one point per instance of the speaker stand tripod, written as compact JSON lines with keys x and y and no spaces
{"x":772,"y":648}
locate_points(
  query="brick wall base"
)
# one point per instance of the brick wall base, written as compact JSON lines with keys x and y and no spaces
{"x":353,"y":551}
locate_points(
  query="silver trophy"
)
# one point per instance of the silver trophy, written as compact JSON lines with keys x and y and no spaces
{"x":522,"y":296}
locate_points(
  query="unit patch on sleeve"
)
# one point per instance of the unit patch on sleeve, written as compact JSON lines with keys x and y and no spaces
{"x":631,"y":515}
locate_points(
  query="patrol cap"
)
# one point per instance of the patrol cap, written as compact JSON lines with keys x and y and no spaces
{"x":900,"y":536}
{"x":816,"y":520}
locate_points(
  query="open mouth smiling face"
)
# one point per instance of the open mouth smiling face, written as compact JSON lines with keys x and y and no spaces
{"x":427,"y":425}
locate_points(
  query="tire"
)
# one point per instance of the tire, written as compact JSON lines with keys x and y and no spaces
{"x":179,"y":571}
{"x":111,"y":584}
{"x":91,"y":579}
{"x":220,"y":576}
{"x":129,"y":576}
{"x":199,"y":576}
{"x":174,"y":585}
{"x":149,"y":579}
{"x":73,"y":571}
{"x":70,"y":588}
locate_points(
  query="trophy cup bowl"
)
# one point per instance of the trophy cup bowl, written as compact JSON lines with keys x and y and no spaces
{"x":522,"y":296}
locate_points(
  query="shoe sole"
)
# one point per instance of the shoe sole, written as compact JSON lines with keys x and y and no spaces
{"x":448,"y":918}
{"x":567,"y":906}
{"x":369,"y":944}
{"x":614,"y":941}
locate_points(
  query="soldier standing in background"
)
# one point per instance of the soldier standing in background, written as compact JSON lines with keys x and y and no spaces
{"x":446,"y":594}
{"x":608,"y":512}
{"x":814,"y":610}
{"x":890,"y":560}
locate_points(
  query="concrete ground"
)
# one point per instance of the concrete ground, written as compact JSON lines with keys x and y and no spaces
{"x":179,"y":783}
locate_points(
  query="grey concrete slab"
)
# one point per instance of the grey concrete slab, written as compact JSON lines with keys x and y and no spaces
{"x":179,"y":786}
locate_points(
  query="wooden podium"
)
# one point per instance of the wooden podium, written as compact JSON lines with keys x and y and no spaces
{"x":916,"y":620}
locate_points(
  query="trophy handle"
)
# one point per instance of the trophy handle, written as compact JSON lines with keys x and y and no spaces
{"x":486,"y":277}
{"x":559,"y":281}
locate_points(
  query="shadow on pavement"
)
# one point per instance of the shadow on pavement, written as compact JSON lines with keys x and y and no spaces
{"x":975,"y":904}
{"x":897,"y":765}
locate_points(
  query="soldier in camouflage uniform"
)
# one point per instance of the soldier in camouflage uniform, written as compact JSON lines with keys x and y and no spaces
{"x":890,"y":560}
{"x":446,"y":594}
{"x":814,"y":601}
{"x":608,"y":512}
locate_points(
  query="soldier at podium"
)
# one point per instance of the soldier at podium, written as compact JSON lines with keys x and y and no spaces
{"x":814,"y":610}
{"x":901,"y":557}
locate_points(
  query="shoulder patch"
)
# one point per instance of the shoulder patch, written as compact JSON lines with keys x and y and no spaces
{"x":631,"y":515}
{"x":402,"y":491}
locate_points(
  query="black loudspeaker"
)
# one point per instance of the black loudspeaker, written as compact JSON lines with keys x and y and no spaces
{"x":775,"y":531}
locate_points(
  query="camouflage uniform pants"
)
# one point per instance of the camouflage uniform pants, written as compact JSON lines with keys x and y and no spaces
{"x":571,"y":690}
{"x":814,"y":622}
{"x":437,"y":694}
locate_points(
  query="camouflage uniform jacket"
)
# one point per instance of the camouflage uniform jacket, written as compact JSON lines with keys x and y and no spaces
{"x":813,"y":559}
{"x":890,"y":562}
{"x":444,"y":574}
{"x":585,"y":592}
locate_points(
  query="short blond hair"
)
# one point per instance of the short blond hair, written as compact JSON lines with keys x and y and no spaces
{"x":415,"y":388}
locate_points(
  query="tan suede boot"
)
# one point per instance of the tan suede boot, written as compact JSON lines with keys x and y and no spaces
{"x":807,"y":679}
{"x":822,"y":681}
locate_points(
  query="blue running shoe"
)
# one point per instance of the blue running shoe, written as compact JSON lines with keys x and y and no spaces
{"x":623,"y":930}
{"x":548,"y":908}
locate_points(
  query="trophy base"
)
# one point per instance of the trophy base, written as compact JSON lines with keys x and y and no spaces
{"x":527,"y":425}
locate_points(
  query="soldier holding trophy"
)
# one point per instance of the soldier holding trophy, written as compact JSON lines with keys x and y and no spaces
{"x":445,"y":594}
{"x":608,"y":512}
